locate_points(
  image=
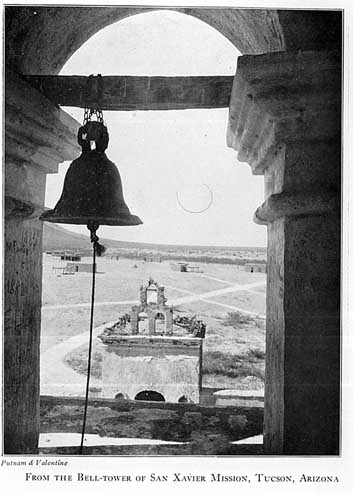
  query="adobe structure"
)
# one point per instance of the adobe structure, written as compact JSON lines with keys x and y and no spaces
{"x":151,"y":364}
{"x":284,"y":106}
{"x":255,"y":267}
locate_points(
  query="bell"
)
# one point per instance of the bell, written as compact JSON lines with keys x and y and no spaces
{"x":92,"y":190}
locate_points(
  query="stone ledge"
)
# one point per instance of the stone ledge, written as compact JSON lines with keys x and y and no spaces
{"x":246,"y":394}
{"x":208,"y":429}
{"x":234,"y":397}
{"x":142,"y":340}
{"x":284,"y":204}
{"x":21,"y":209}
{"x":185,"y":449}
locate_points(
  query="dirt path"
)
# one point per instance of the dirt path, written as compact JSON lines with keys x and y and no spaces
{"x":217,"y":292}
{"x":213,"y":278}
{"x":56,"y":377}
{"x":180,"y":301}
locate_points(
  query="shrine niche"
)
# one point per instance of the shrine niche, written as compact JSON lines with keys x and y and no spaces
{"x":143,"y":363}
{"x":153,"y":305}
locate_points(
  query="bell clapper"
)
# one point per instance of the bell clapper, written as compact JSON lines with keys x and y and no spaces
{"x":93,"y":226}
{"x":98,"y":248}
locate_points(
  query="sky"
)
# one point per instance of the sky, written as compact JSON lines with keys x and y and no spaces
{"x":170,"y":162}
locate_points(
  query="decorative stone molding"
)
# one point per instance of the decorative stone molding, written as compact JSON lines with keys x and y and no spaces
{"x":283,"y":97}
{"x":285,"y":121}
{"x":21,"y":209}
{"x":284,"y":204}
{"x":152,"y":308}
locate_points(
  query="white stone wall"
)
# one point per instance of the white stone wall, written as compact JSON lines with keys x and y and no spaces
{"x":172,"y":375}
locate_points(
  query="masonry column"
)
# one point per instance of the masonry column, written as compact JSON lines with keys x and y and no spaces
{"x":134,"y":320}
{"x":285,"y":122}
{"x":38,"y":137}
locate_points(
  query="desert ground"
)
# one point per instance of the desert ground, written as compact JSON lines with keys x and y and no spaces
{"x":228,"y":299}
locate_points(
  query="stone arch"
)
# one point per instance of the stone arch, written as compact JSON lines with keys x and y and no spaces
{"x":149,"y":395}
{"x":160,"y":320}
{"x":121,"y":396}
{"x":39,"y":40}
{"x":183,"y":399}
{"x":40,"y":49}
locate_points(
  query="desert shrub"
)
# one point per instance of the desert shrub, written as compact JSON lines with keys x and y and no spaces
{"x":234,"y":319}
{"x":230,"y":365}
{"x":256,"y":353}
{"x":238,"y":319}
{"x":214,"y":362}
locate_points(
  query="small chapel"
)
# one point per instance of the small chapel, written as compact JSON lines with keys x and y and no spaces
{"x":148,"y":357}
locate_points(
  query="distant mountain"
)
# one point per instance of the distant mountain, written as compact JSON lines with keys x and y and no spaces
{"x":58,"y":238}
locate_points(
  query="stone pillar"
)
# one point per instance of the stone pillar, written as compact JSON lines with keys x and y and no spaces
{"x":161,"y":299}
{"x":134,"y":320}
{"x":151,"y":323}
{"x":38,"y":136}
{"x":285,"y":122}
{"x":169,"y":321}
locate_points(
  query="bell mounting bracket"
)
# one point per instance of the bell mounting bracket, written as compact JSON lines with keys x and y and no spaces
{"x":93,"y":135}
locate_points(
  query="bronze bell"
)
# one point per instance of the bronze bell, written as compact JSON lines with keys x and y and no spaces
{"x":92,"y":188}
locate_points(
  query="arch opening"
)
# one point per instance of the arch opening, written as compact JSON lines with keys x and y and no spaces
{"x":150,"y":25}
{"x":149,"y":395}
{"x":120,"y":396}
{"x":158,"y":153}
{"x":177,"y":150}
{"x":183,"y":399}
